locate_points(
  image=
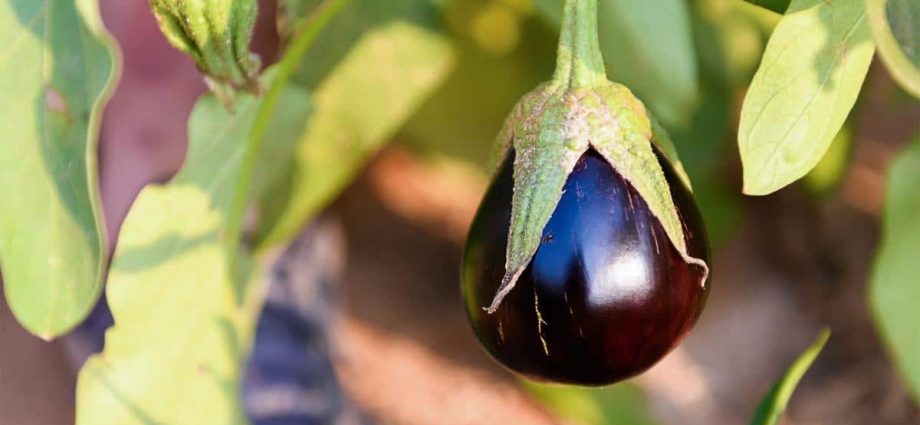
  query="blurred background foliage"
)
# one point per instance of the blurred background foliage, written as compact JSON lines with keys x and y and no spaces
{"x":436,"y":78}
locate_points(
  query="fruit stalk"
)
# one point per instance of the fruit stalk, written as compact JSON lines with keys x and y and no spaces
{"x":579,"y":63}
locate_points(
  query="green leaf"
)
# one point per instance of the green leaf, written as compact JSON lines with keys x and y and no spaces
{"x":809,"y":79}
{"x":896,"y":28}
{"x":180,"y":266}
{"x":367,"y":95}
{"x":774,"y":404}
{"x":58,"y":67}
{"x":894,"y":289}
{"x":621,"y":404}
{"x":179,"y":284}
{"x":647,"y":46}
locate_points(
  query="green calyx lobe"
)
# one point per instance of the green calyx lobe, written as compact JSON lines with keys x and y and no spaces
{"x":551,"y":127}
{"x":216,"y":35}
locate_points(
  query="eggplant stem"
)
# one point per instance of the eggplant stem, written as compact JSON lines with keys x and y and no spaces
{"x":579,"y":63}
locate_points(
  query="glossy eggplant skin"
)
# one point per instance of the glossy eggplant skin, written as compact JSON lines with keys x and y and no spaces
{"x":606,"y":295}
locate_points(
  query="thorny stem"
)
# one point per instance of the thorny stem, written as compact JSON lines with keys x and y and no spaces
{"x":578,"y":61}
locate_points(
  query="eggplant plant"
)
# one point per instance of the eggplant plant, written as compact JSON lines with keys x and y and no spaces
{"x":592,"y":254}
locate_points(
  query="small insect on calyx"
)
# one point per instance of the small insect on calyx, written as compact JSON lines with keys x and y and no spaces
{"x":587,"y":261}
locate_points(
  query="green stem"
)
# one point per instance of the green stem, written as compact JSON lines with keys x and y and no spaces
{"x":305,"y":35}
{"x":579,"y":62}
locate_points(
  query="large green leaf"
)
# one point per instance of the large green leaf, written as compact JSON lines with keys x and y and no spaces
{"x":389,"y":65}
{"x":184,"y":313}
{"x":896,"y":28}
{"x":622,"y":404}
{"x":895,"y":287}
{"x":809,"y":79}
{"x":773,"y":405}
{"x":647,"y":46}
{"x":179,"y":287}
{"x":58,"y":66}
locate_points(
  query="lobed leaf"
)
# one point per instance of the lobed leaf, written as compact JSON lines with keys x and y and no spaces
{"x":807,"y":83}
{"x":894,"y":288}
{"x":58,"y":67}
